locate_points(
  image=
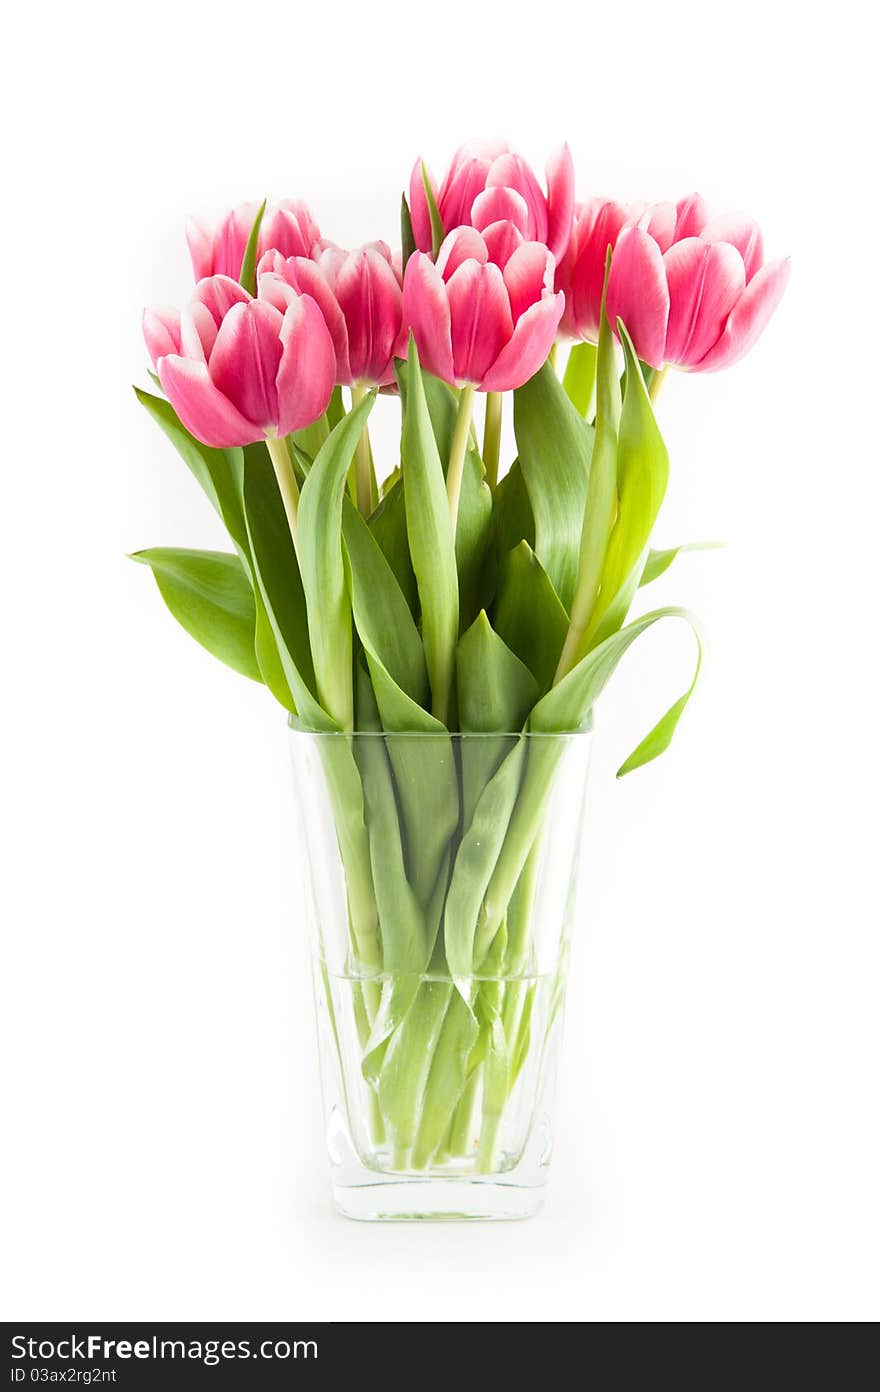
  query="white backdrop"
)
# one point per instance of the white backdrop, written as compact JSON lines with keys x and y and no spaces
{"x":718,"y":1142}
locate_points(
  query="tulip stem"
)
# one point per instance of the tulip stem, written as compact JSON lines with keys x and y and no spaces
{"x":363,"y":461}
{"x":492,"y":436}
{"x":458,"y":451}
{"x":287,"y":484}
{"x":656,"y":383}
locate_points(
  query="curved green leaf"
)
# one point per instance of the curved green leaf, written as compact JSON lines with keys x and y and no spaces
{"x":658,"y":562}
{"x":388,"y":526}
{"x":512,"y":516}
{"x":319,"y":547}
{"x":247,"y":275}
{"x":382,"y":616}
{"x":580,"y":378}
{"x":431,"y":540}
{"x":528,"y":613}
{"x":210,"y":595}
{"x":555,"y":447}
{"x":496,"y":690}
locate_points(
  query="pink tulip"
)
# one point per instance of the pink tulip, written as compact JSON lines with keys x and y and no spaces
{"x":360,"y":297}
{"x":486,"y":313}
{"x":245,"y":369}
{"x":693,"y":291}
{"x":161,"y":332}
{"x":488,"y":183}
{"x":287,"y":227}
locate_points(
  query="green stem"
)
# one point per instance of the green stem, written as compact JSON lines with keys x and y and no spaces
{"x":656,"y":383}
{"x":492,"y":437}
{"x":455,"y":470}
{"x":363,"y":462}
{"x":287,"y":484}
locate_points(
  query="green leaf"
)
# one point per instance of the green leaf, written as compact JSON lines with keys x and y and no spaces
{"x":658,"y":562}
{"x":407,"y":237}
{"x":388,"y":525}
{"x":283,"y":627}
{"x":437,"y":233}
{"x":247,"y":276}
{"x":580,"y":377}
{"x":568,"y":705}
{"x":642,"y":475}
{"x":431,"y":541}
{"x":555,"y":446}
{"x":496,"y":690}
{"x":319,"y":546}
{"x":528,"y":614}
{"x":210,"y":595}
{"x":381,"y":614}
{"x":513,"y":517}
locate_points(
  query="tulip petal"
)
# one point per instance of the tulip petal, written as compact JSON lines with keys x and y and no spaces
{"x":501,"y":240}
{"x":659,"y":219}
{"x":370,"y":299}
{"x":202,"y":407}
{"x":464,"y":182}
{"x":691,"y":216}
{"x":307,"y":277}
{"x":528,"y":347}
{"x":527,"y":274}
{"x":426,"y":312}
{"x":601,"y":227}
{"x":500,"y":205}
{"x":482,"y":323}
{"x":307,"y":370}
{"x":705,"y":281}
{"x":289,"y":229}
{"x":748,"y":317}
{"x":198,"y":331}
{"x":560,"y":200}
{"x":245,"y":360}
{"x":218,"y":294}
{"x":161,"y":327}
{"x":418,"y":207}
{"x":462,"y":244}
{"x":200,"y":240}
{"x":638,"y":293}
{"x":741,"y":232}
{"x":512,"y":171}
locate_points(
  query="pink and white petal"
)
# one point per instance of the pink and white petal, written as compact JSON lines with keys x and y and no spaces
{"x":200,"y":240}
{"x":370,"y":299}
{"x":749,"y":316}
{"x":500,"y":205}
{"x":527,"y":274}
{"x":482,"y":323}
{"x":426,"y":312}
{"x":161,"y":326}
{"x":560,"y":200}
{"x":501,"y":240}
{"x":528,"y":348}
{"x":705,"y":281}
{"x":588,"y":276}
{"x":245,"y":359}
{"x":202,"y":407}
{"x":460,"y":245}
{"x":308,"y":278}
{"x":275,"y":289}
{"x":198,"y":331}
{"x":659,"y":220}
{"x":512,"y":171}
{"x":218,"y":294}
{"x":691,"y":216}
{"x":463,"y":183}
{"x":743,"y":233}
{"x":307,"y":370}
{"x":638,"y":293}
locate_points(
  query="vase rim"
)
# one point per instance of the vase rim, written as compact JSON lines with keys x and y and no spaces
{"x":296,"y":728}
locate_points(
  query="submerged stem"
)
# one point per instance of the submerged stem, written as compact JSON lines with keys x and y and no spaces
{"x":492,"y":436}
{"x":455,"y":469}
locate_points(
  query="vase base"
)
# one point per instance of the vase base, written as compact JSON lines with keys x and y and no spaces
{"x":433,"y":1200}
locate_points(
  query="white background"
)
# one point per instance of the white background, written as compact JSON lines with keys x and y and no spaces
{"x":717,"y":1148}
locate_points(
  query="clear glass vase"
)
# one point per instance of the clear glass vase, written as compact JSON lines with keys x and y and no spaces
{"x":439,"y":877}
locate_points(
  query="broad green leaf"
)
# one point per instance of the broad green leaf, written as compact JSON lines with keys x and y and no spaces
{"x":658,"y":562}
{"x":247,"y":276}
{"x":580,"y":378}
{"x":642,"y":474}
{"x":388,"y":525}
{"x":278,"y":584}
{"x":431,"y":541}
{"x":555,"y":446}
{"x":404,"y":948}
{"x":513,"y":517}
{"x":210,"y":595}
{"x":319,"y":547}
{"x":496,"y":690}
{"x":528,"y":614}
{"x":437,"y":232}
{"x":381,"y":614}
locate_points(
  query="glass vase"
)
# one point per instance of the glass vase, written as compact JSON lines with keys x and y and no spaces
{"x":439,"y":875}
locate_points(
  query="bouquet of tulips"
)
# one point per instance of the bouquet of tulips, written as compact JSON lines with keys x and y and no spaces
{"x":445,"y":592}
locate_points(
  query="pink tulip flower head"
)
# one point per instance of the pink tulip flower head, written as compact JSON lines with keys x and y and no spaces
{"x":161,"y":332}
{"x":693,"y":291}
{"x":360,"y":297}
{"x":486,"y":314}
{"x":486,"y":183}
{"x":245,"y":369}
{"x":287,"y":227}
